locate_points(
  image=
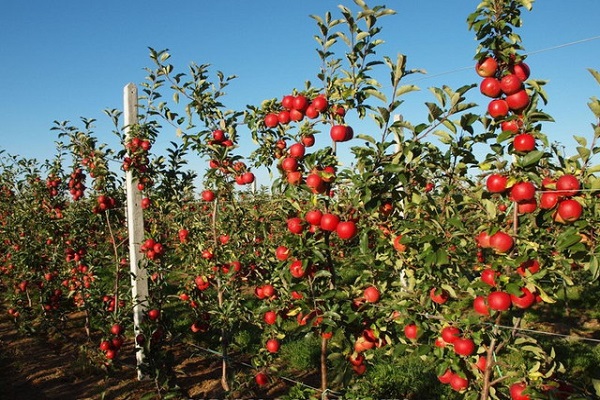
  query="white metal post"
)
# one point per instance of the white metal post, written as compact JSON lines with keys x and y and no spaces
{"x":135,"y":228}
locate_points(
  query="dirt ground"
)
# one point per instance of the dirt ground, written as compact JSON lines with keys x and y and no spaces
{"x":32,"y":368}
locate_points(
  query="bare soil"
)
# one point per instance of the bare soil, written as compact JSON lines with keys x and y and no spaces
{"x":40,"y":368}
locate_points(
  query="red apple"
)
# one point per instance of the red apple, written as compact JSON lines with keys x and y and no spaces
{"x":516,"y":391}
{"x":522,"y":191}
{"x":499,"y":301}
{"x":486,"y":67}
{"x":490,"y":87}
{"x":567,"y":185}
{"x":569,"y":210}
{"x":526,"y":299}
{"x":524,"y":143}
{"x":450,"y":333}
{"x":496,"y":183}
{"x":271,"y":120}
{"x":488,"y":276}
{"x":272,"y":345}
{"x":501,"y":242}
{"x":464,"y":347}
{"x":498,"y":108}
{"x":518,"y":101}
{"x":459,"y":383}
{"x":346,"y":230}
{"x":371,"y":294}
{"x":411,"y":331}
{"x":480,"y":306}
{"x":439,"y":297}
{"x":510,"y":84}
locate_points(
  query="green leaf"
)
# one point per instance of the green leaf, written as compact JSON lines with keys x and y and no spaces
{"x":568,"y":239}
{"x":595,"y":74}
{"x":531,"y":158}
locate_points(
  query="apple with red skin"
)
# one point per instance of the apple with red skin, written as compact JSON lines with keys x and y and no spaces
{"x":480,"y":306}
{"x":524,"y":143}
{"x":297,"y":151}
{"x":527,"y":207}
{"x":289,"y":164}
{"x":371,"y":294}
{"x":548,"y":200}
{"x":488,"y":276}
{"x":287,"y":102}
{"x":261,"y":379}
{"x":524,"y":301}
{"x":219,"y":136}
{"x":438,"y":297}
{"x":316,"y":183}
{"x":512,"y":125}
{"x":271,"y":120}
{"x":270,"y":317}
{"x":268,"y":291}
{"x":116,"y":329}
{"x":450,"y":333}
{"x":356,"y":359}
{"x":521,"y":70}
{"x":411,"y":331}
{"x":499,"y":301}
{"x":496,"y":183}
{"x":362,"y":344}
{"x":533,"y":266}
{"x":490,"y":87}
{"x":458,"y":383}
{"x":341,"y":133}
{"x":153,"y":314}
{"x":516,"y":391}
{"x":498,"y":108}
{"x":567,"y":185}
{"x":483,"y":240}
{"x":481,"y":363}
{"x":522,"y":191}
{"x":296,"y":269}
{"x":510,"y":84}
{"x":272,"y":345}
{"x":446,"y":377}
{"x":501,"y":242}
{"x":105,"y":345}
{"x":208,"y":195}
{"x":308,"y":140}
{"x":294,"y":177}
{"x":464,"y":346}
{"x":295,"y":225}
{"x":320,"y":103}
{"x":284,"y":117}
{"x":329,"y":222}
{"x":569,"y":210}
{"x":346,"y":230}
{"x":313,"y":217}
{"x":300,"y":102}
{"x":311,"y":112}
{"x":486,"y":67}
{"x":518,"y":101}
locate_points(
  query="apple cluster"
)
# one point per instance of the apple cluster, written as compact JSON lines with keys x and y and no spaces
{"x":53,"y":183}
{"x":152,"y":249}
{"x":111,"y":346}
{"x":104,"y":203}
{"x":76,"y":184}
{"x":137,"y":159}
{"x":294,"y":108}
{"x":505,"y":85}
{"x":242,"y":175}
{"x":327,"y":222}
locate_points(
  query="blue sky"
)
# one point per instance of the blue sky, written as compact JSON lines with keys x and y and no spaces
{"x":67,"y":59}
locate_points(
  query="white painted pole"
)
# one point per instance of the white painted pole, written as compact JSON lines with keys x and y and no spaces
{"x":135,"y":228}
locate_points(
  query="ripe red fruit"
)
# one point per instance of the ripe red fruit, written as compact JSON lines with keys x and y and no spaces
{"x":329,"y":222}
{"x":446,"y":377}
{"x":282,"y":253}
{"x":218,"y":136}
{"x":296,"y":115}
{"x":294,"y":225}
{"x":294,"y":177}
{"x":308,"y":140}
{"x":105,"y":345}
{"x":522,"y":191}
{"x":518,"y":101}
{"x":464,"y":346}
{"x":300,"y":102}
{"x":524,"y":143}
{"x":111,"y":354}
{"x":411,"y":331}
{"x":510,"y":84}
{"x":516,"y":391}
{"x":569,"y":210}
{"x":490,"y":87}
{"x":272,"y":345}
{"x":486,"y":67}
{"x":488,"y":276}
{"x":450,"y":333}
{"x":270,"y":317}
{"x":481,"y":363}
{"x":371,"y":294}
{"x":527,"y":207}
{"x":289,"y":164}
{"x":496,"y":183}
{"x":311,"y":112}
{"x":313,"y":217}
{"x":548,"y":200}
{"x":116,"y":329}
{"x":268,"y":290}
{"x":284,"y":117}
{"x":483,"y":240}
{"x":459,"y":383}
{"x":521,"y":70}
{"x":346,"y":230}
{"x":271,"y":120}
{"x":320,"y":103}
{"x":533,"y":266}
{"x":154,"y":314}
{"x":341,"y":133}
{"x":480,"y":306}
{"x":296,"y":269}
{"x":513,"y":125}
{"x":526,"y":299}
{"x":501,"y":242}
{"x":208,"y":195}
{"x":261,"y":379}
{"x":499,"y":301}
{"x":287,"y":102}
{"x":567,"y":185}
{"x":297,"y":150}
{"x":439,"y":297}
{"x":498,"y":108}
{"x":356,"y":359}
{"x":316,"y":183}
